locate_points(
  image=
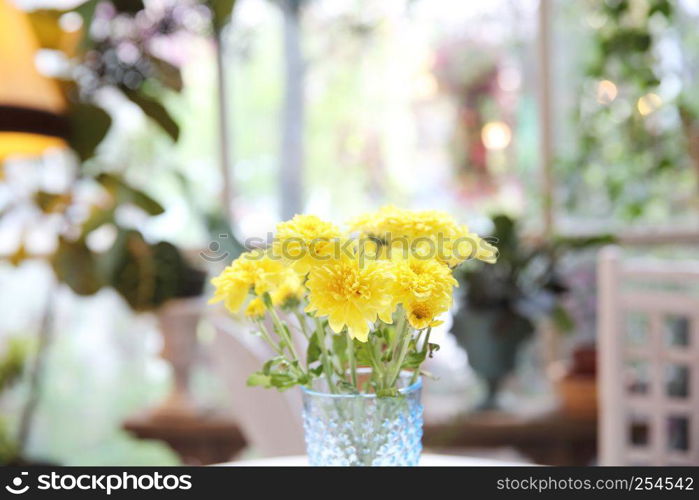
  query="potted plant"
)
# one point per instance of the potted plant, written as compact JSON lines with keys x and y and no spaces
{"x":501,"y":304}
{"x":157,"y":277}
{"x":364,"y":305}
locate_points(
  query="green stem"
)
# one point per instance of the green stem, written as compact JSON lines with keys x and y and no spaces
{"x":281,"y":329}
{"x":268,"y":338}
{"x":377,"y":372}
{"x":325,"y":360}
{"x":425,"y":343}
{"x":302,"y":321}
{"x":400,"y":324}
{"x":352,"y":361}
{"x":404,"y":344}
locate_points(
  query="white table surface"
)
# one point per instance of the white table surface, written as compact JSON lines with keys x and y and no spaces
{"x":427,"y":459}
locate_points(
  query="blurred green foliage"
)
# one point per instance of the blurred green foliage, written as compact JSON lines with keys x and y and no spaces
{"x":12,"y":362}
{"x":145,"y":274}
{"x":635,"y":131}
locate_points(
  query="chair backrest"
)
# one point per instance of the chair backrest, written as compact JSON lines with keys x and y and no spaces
{"x":270,"y":420}
{"x":648,"y":336}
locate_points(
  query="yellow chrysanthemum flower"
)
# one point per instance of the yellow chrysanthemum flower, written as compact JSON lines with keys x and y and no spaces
{"x":393,"y":222}
{"x":256,"y":308}
{"x":251,"y":271}
{"x":422,"y":281}
{"x":351,"y":295}
{"x":422,"y":314}
{"x":466,"y":245}
{"x":418,"y":279}
{"x":306,"y":241}
{"x":290,"y":291}
{"x":428,"y":233}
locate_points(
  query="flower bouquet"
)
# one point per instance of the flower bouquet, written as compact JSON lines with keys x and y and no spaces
{"x":348,"y":316}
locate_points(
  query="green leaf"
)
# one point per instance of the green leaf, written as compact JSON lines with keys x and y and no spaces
{"x":154,"y":110}
{"x":664,"y":7}
{"x":76,"y":266}
{"x":12,"y":361}
{"x":97,"y":218}
{"x":221,"y":11}
{"x":89,"y":124}
{"x":124,"y":193}
{"x":259,"y":379}
{"x":167,"y":74}
{"x":414,"y":359}
{"x":51,"y":203}
{"x":282,"y":381}
{"x":140,"y":199}
{"x":563,"y":321}
{"x":128,"y":6}
{"x":313,"y":351}
{"x":272,"y":364}
{"x":87,"y":12}
{"x":339,"y":348}
{"x":362,"y":352}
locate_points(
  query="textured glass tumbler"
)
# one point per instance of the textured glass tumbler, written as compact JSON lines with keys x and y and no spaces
{"x":362,"y":429}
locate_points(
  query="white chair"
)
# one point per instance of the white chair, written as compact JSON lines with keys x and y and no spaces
{"x":648,"y":335}
{"x":270,"y":420}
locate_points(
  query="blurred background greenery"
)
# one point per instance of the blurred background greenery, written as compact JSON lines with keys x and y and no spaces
{"x":193,"y":129}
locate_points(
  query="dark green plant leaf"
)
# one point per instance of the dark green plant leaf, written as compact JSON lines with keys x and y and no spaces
{"x":154,"y":110}
{"x":89,"y":124}
{"x":432,"y":348}
{"x":414,"y":359}
{"x":562,"y":319}
{"x":128,"y":6}
{"x":221,"y":11}
{"x":51,"y":203}
{"x":76,"y":266}
{"x":87,"y":12}
{"x":146,"y":275}
{"x":313,"y":351}
{"x":12,"y":361}
{"x":167,"y":74}
{"x":124,"y":193}
{"x":97,"y":218}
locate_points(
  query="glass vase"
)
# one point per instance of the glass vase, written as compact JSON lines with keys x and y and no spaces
{"x":363,"y":429}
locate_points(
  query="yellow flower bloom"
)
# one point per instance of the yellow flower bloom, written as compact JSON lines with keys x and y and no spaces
{"x":393,"y":222}
{"x":251,"y":271}
{"x":351,"y":295}
{"x":428,"y":233}
{"x":419,"y":279}
{"x":306,"y":241}
{"x":424,"y":287}
{"x":466,"y":245}
{"x":256,"y":309}
{"x":290,"y":291}
{"x":422,"y":314}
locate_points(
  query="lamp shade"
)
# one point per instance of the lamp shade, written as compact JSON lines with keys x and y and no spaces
{"x":31,"y":105}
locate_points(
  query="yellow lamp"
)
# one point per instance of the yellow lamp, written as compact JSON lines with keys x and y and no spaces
{"x":31,"y":105}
